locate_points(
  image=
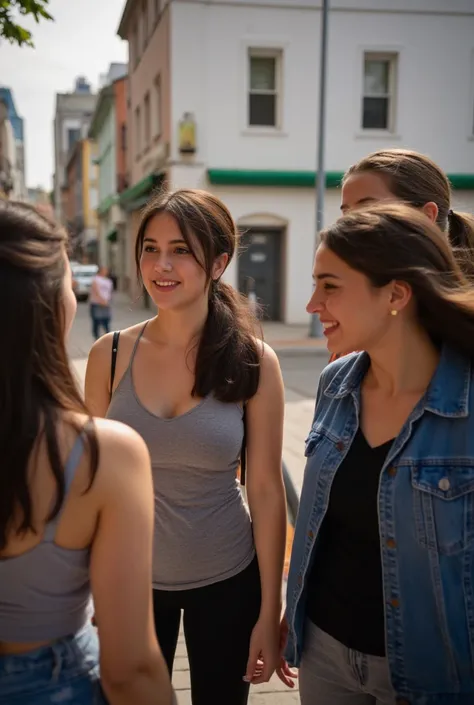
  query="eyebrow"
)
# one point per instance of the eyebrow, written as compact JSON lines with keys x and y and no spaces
{"x":325,"y":275}
{"x":171,"y":242}
{"x":359,"y":203}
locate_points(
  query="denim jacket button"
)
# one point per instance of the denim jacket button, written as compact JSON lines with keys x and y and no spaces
{"x":444,"y":484}
{"x":392,"y":471}
{"x":310,"y":535}
{"x":391,"y":543}
{"x":394,"y":602}
{"x":340,"y":445}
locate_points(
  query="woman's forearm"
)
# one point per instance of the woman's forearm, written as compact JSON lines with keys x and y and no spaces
{"x":268,"y":510}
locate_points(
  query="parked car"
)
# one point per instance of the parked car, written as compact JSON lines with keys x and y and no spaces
{"x":82,"y":276}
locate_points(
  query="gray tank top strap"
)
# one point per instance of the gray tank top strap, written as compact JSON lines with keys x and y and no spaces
{"x":135,"y":346}
{"x":69,"y":471}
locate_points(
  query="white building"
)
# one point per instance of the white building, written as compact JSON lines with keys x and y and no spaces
{"x":244,"y":74}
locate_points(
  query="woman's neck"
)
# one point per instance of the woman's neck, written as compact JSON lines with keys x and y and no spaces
{"x":404,"y":364}
{"x":179,"y":328}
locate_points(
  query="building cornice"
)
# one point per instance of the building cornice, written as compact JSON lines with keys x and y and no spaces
{"x":122,"y":28}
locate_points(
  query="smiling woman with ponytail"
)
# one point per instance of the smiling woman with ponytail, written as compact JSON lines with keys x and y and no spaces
{"x":192,"y":381}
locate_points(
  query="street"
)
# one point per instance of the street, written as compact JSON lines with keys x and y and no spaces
{"x":301,"y":367}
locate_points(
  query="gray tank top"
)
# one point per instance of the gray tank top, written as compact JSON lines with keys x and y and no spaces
{"x":202,"y":526}
{"x":45,"y":592}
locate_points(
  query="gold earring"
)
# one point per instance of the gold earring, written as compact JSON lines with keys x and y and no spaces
{"x":393,"y":312}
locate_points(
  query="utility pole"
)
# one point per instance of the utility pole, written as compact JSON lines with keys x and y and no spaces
{"x":315,"y":326}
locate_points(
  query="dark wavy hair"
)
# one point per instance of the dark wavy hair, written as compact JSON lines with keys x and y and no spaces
{"x":37,"y":388}
{"x":228,"y":356}
{"x":416,"y":179}
{"x":388,"y":242}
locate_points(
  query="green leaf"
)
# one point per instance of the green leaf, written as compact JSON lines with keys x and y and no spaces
{"x":10,"y":29}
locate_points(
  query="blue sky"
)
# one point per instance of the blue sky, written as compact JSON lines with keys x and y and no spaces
{"x":81,"y":41}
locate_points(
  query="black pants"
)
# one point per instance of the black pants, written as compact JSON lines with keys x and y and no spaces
{"x":218,"y":621}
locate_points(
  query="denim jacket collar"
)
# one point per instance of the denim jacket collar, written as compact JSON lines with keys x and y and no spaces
{"x":447,"y":394}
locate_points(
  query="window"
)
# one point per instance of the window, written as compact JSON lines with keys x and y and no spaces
{"x":73,"y":135}
{"x":157,"y":112}
{"x":147,"y":121}
{"x":138,"y":132}
{"x":135,"y":51}
{"x":123,"y":137}
{"x":379,"y":91}
{"x":264,"y":69}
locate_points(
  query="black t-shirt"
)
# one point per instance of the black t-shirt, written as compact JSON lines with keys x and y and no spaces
{"x":345,"y":591}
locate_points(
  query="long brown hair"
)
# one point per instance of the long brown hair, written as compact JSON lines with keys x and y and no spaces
{"x":388,"y":242}
{"x":36,"y":384}
{"x":416,"y":179}
{"x":228,"y":358}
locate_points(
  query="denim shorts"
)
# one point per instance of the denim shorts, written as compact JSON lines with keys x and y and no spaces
{"x":65,"y":673}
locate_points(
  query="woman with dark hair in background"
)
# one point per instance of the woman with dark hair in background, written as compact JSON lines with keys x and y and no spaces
{"x":413,"y":178}
{"x":191,"y":381}
{"x":75,"y":502}
{"x":381,"y":582}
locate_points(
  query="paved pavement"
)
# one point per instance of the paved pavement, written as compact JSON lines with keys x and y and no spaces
{"x":302,"y":360}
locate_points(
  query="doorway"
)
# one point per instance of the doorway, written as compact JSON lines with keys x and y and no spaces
{"x":260,"y":269}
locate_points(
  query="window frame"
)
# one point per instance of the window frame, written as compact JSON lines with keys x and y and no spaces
{"x":147,"y":121}
{"x":157,"y":129}
{"x":275,"y":53}
{"x":393,"y":60}
{"x":138,"y":132}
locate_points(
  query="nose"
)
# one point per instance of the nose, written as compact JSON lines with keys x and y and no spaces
{"x":162,"y":263}
{"x":315,"y":305}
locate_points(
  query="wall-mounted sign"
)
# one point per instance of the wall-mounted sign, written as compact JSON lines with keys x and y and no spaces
{"x":258,"y":257}
{"x":187,"y":134}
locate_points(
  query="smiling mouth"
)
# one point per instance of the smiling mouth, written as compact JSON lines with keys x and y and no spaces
{"x":165,"y":285}
{"x":329,"y":327}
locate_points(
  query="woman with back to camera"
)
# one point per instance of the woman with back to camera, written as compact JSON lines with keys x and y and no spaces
{"x":183,"y":381}
{"x":75,"y":503}
{"x":411,"y":177}
{"x":381,"y":580}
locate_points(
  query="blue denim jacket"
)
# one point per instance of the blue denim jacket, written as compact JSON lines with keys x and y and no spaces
{"x":426,"y":522}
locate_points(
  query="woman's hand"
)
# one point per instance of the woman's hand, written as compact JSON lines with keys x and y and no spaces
{"x":264,"y":650}
{"x":284,"y":672}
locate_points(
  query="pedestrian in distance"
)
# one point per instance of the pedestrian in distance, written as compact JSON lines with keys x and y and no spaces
{"x":76,"y":516}
{"x":100,"y":299}
{"x":381,"y":580}
{"x":199,"y":386}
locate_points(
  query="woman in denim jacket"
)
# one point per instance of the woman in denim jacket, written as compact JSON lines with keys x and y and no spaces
{"x":380,"y":603}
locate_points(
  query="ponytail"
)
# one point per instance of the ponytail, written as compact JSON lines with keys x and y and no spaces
{"x":228,"y":357}
{"x":461,"y":237}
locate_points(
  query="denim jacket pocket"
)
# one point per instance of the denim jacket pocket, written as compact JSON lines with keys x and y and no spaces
{"x":443,"y":504}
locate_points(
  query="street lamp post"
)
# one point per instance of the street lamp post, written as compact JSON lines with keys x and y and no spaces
{"x":315,"y":326}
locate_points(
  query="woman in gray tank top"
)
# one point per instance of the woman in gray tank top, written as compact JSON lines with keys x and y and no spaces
{"x":182,"y":381}
{"x":75,"y":507}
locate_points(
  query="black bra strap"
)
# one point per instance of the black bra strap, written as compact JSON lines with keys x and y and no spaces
{"x":115,"y":343}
